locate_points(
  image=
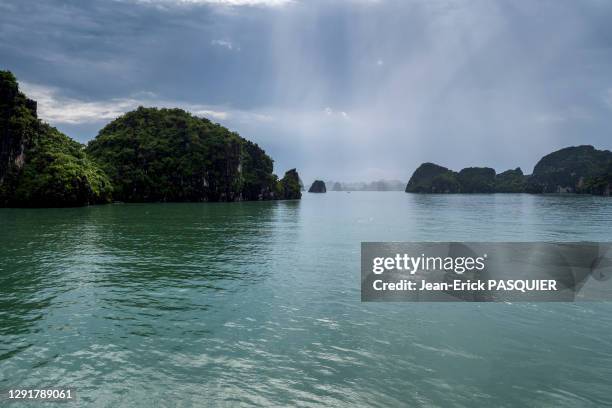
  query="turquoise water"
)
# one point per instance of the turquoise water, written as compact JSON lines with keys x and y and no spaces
{"x":259,"y":304}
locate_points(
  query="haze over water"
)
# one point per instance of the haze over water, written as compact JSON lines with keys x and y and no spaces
{"x":259,"y":303}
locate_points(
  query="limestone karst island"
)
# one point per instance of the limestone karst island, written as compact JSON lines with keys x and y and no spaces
{"x":147,"y":155}
{"x":169,"y":155}
{"x":579,"y":169}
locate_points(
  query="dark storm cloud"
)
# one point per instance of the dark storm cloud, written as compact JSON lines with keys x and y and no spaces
{"x":352,"y":89}
{"x":109,"y":48}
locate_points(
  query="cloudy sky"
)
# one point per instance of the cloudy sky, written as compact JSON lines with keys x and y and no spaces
{"x":345,"y":90}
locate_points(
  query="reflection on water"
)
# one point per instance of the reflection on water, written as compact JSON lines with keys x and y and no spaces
{"x":258,"y":303}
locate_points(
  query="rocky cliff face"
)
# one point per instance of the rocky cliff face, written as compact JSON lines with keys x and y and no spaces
{"x":17,"y":126}
{"x":317,"y":187}
{"x":257,"y":177}
{"x":570,"y":170}
{"x":40,"y":166}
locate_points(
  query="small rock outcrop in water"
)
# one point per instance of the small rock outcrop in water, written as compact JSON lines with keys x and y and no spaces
{"x":288,"y":188}
{"x":317,"y":187}
{"x":580,"y":169}
{"x":431,"y":178}
{"x":40,"y":166}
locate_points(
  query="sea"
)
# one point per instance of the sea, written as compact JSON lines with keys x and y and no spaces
{"x":258,"y":304}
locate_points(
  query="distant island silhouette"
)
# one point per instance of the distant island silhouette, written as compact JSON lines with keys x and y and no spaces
{"x":578,"y":169}
{"x":378,"y":185}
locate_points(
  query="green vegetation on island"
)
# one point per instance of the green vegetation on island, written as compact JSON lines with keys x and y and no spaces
{"x":600,"y":184}
{"x":40,"y":166}
{"x":477,"y":180}
{"x":147,"y":155}
{"x":155,"y":154}
{"x":579,"y":169}
{"x":510,"y":181}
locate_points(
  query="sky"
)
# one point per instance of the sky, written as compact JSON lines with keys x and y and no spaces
{"x":352,"y":90}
